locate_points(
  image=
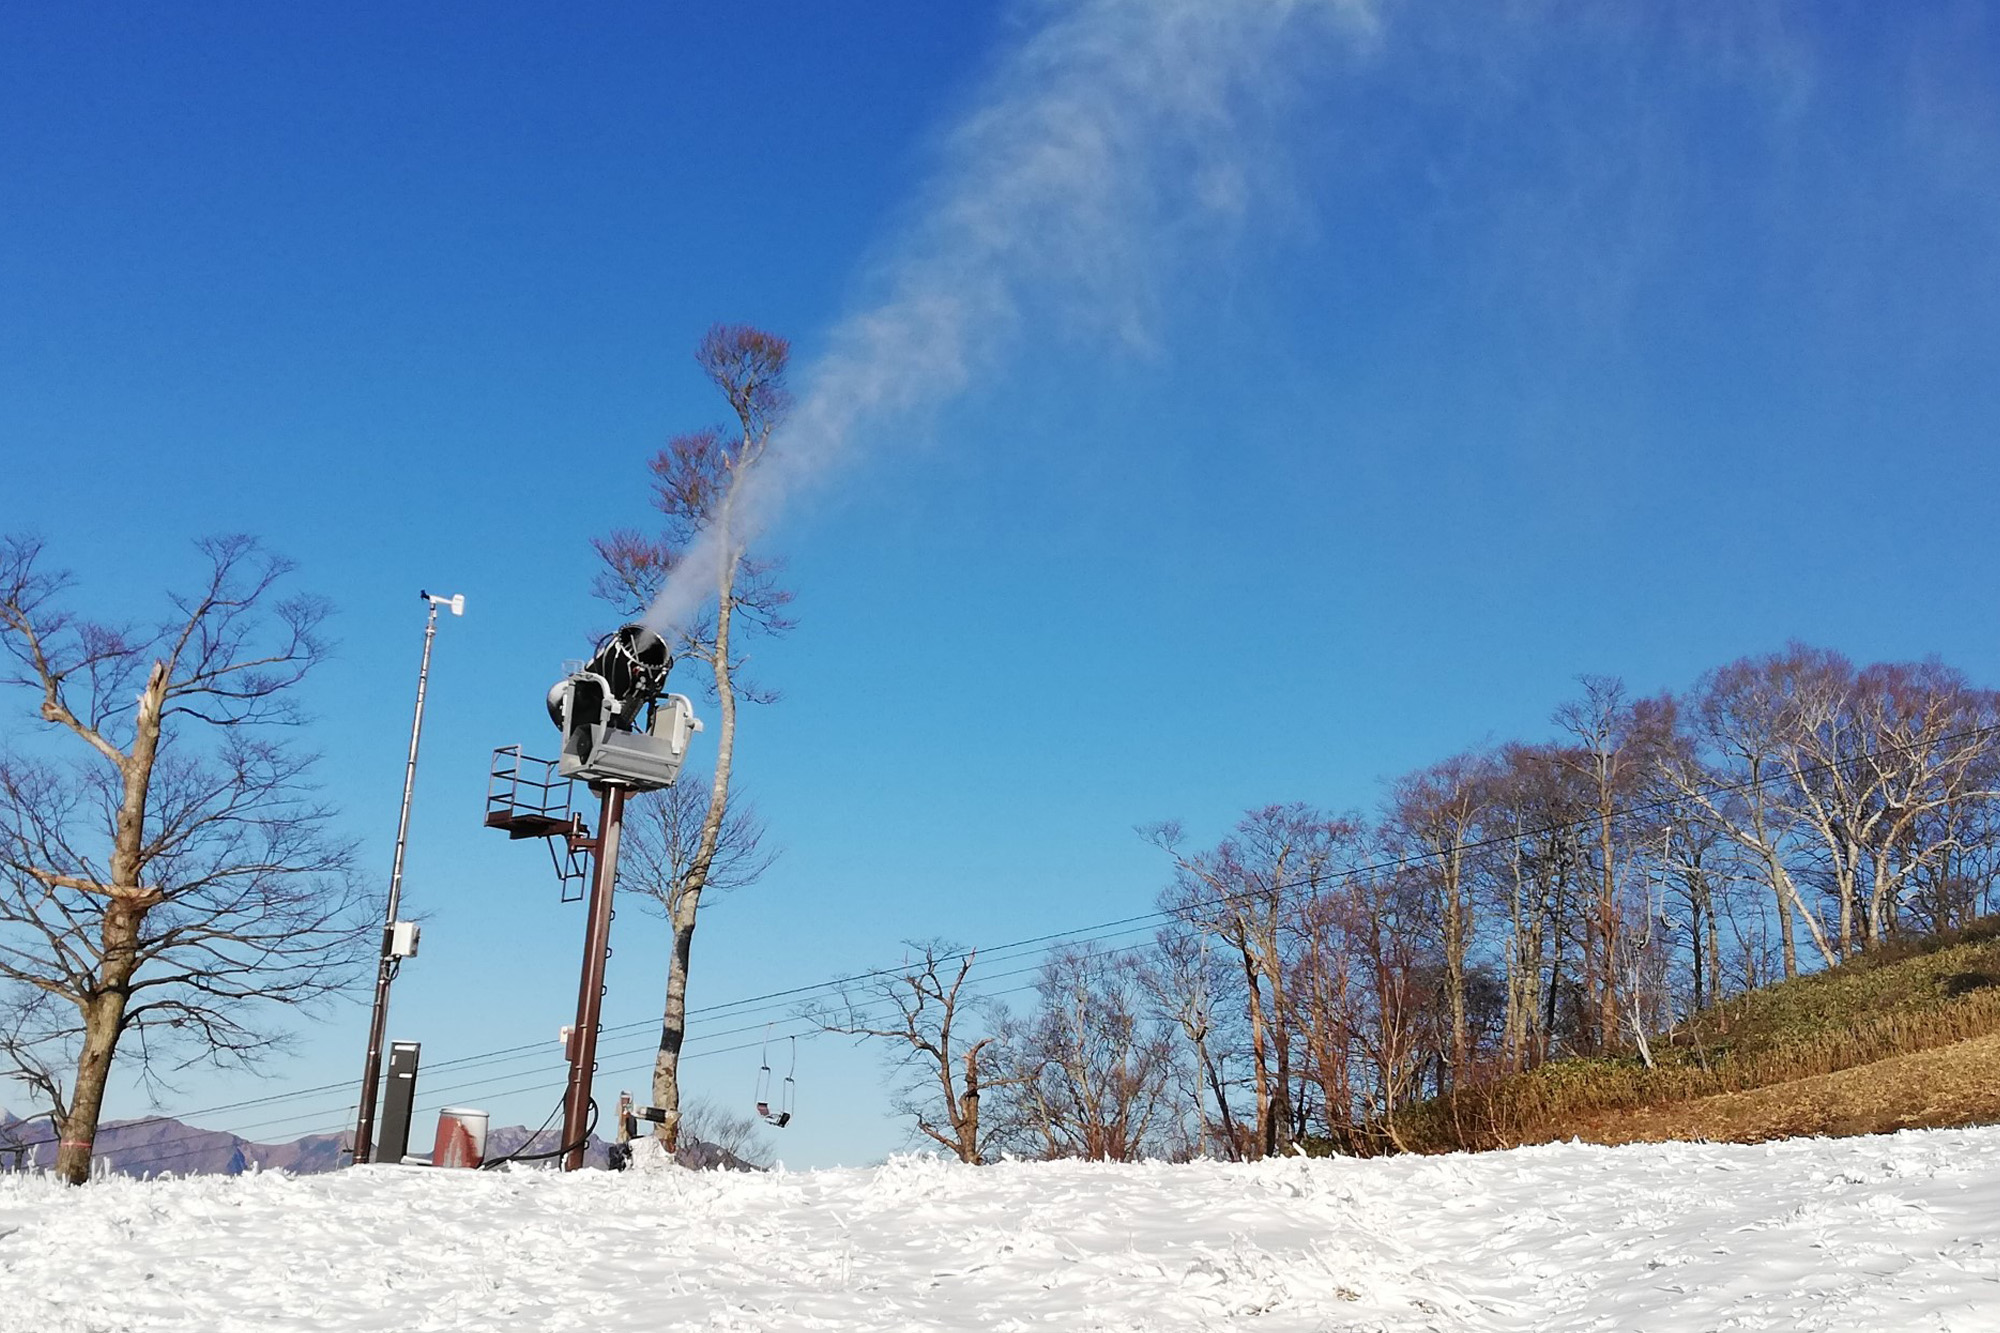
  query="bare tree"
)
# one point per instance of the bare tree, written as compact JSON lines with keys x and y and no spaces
{"x":694,"y":491}
{"x":665,"y":834}
{"x":1957,"y":885}
{"x":1535,"y":864}
{"x":170,"y":877}
{"x":1383,"y":916}
{"x":1185,"y":984}
{"x":1923,"y":741}
{"x":1564,"y":897}
{"x":1696,"y":863}
{"x":1328,"y":1010}
{"x":713,"y":1136}
{"x":1614,"y":740}
{"x":1091,"y":1073}
{"x":1246,"y":892}
{"x":1858,"y":767}
{"x":1433,"y":821}
{"x":921,"y":1011}
{"x":1743,"y":717}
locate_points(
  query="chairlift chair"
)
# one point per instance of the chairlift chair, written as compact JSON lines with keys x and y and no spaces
{"x":783,"y":1115}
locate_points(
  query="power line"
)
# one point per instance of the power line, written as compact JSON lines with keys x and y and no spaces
{"x":787,"y":996}
{"x":151,"y":1155}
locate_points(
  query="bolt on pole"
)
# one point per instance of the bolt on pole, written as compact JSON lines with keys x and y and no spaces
{"x":590,"y":987}
{"x":385,"y":972}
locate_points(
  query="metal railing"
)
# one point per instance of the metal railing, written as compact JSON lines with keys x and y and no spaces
{"x":529,"y":799}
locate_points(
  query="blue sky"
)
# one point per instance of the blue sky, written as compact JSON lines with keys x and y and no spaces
{"x":1544,"y":343}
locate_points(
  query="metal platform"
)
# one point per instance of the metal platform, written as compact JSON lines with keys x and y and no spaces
{"x":527,"y":797}
{"x":520,"y":825}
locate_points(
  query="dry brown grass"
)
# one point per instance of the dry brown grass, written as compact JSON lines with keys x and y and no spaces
{"x":1570,"y":1098}
{"x":1947,"y":1086}
{"x":1776,"y":1048}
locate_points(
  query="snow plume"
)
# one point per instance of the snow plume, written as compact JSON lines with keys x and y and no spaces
{"x":1113,"y":135}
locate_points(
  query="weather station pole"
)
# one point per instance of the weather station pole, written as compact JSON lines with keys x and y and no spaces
{"x":399,"y":938}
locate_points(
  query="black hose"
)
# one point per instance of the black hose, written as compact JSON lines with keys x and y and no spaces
{"x":519,"y":1156}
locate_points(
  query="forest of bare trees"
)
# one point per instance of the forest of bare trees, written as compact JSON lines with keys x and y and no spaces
{"x":1319,"y":974}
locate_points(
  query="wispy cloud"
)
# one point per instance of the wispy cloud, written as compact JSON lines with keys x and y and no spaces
{"x":1112,"y":138}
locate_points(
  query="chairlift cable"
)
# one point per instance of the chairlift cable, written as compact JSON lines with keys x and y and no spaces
{"x":1101,"y":930}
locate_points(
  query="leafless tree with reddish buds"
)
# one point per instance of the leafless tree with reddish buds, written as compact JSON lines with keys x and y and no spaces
{"x":696,"y":480}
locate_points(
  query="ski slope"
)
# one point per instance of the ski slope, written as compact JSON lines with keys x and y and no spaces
{"x":1887,"y":1233}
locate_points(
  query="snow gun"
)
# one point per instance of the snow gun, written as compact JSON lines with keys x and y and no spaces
{"x":618,"y":728}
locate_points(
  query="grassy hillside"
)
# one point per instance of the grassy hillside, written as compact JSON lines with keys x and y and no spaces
{"x":1895,"y":1038}
{"x":1941,"y":1088}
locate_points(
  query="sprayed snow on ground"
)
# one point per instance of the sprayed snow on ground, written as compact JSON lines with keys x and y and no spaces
{"x":1884,"y":1233}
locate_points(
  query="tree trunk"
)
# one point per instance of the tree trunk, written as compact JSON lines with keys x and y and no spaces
{"x":1774,"y":870}
{"x":687,"y":902}
{"x":1786,"y":941}
{"x":103,"y":1020}
{"x":1278,"y":1136}
{"x":1457,"y":940}
{"x":967,"y":1126}
{"x":1259,"y":1058}
{"x":1232,"y":1148}
{"x":1552,"y":996}
{"x":1697,"y":931}
{"x":1843,"y":878}
{"x":104,"y":1011}
{"x":1523,"y":967}
{"x":78,"y":1129}
{"x":1714,"y":996}
{"x":1880,"y":897}
{"x":673,"y":1022}
{"x":1608,"y":925}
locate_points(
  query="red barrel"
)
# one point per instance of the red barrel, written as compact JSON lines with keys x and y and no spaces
{"x":461,"y":1138}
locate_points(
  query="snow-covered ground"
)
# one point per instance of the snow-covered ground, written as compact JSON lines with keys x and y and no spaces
{"x":1886,"y":1233}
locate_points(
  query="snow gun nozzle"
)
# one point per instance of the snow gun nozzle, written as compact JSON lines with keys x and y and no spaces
{"x":633,"y":664}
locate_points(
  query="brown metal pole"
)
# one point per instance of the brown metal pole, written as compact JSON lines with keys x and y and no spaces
{"x":385,"y":970}
{"x":371,"y":1068}
{"x":590,"y":989}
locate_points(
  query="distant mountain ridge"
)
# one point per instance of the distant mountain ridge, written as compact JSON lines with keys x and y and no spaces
{"x":161,"y":1145}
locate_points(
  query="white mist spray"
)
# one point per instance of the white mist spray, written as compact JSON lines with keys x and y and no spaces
{"x":1106,"y":138}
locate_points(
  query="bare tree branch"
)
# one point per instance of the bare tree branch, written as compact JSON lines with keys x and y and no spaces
{"x":197,"y":870}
